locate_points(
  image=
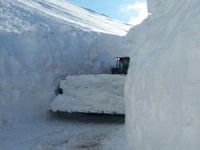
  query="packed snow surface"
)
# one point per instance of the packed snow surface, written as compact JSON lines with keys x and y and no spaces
{"x":91,"y":93}
{"x":78,"y":132}
{"x":163,"y":83}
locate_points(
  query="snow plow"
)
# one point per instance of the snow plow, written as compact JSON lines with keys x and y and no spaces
{"x":98,"y":94}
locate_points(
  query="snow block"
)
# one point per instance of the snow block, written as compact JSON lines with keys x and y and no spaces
{"x":91,"y":94}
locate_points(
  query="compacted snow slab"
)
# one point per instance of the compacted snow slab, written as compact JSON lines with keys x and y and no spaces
{"x":102,"y":93}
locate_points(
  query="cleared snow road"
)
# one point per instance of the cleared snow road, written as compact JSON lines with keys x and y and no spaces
{"x":69,"y":132}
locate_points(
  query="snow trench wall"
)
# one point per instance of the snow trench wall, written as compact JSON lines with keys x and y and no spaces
{"x":36,"y":52}
{"x":163,"y":85}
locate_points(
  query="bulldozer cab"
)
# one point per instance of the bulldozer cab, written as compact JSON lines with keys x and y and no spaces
{"x":122,"y":65}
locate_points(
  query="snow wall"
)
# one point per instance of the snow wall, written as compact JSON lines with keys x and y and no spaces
{"x":163,"y":86}
{"x":37,"y":51}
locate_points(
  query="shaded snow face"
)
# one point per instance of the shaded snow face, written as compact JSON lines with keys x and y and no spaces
{"x":159,"y":7}
{"x":162,"y":90}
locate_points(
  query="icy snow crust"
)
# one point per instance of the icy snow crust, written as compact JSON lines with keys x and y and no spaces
{"x":91,"y":94}
{"x":163,"y":83}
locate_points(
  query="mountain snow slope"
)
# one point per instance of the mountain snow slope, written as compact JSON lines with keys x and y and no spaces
{"x":67,"y":13}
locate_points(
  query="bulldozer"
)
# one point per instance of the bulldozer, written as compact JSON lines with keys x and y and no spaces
{"x":99,"y":94}
{"x":122,"y":65}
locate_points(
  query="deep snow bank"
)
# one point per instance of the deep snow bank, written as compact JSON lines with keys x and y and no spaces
{"x":164,"y":78}
{"x":38,"y":49}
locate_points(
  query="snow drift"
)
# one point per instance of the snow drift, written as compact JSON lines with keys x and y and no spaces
{"x":164,"y":78}
{"x":43,"y":41}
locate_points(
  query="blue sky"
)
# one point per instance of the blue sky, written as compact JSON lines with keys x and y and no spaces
{"x":128,"y":11}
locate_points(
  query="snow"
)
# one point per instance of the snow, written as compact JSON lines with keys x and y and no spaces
{"x":63,"y":133}
{"x":162,"y":89}
{"x":64,"y":12}
{"x":37,"y":50}
{"x":34,"y":59}
{"x":102,"y":93}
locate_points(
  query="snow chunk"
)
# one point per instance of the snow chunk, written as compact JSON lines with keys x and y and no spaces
{"x":91,"y":93}
{"x":163,"y":85}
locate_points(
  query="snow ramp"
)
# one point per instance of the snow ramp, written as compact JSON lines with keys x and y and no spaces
{"x":102,"y":93}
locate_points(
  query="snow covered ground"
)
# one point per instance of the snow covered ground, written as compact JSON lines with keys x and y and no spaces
{"x":64,"y":133}
{"x":40,"y":43}
{"x":102,"y":93}
{"x":164,"y":78}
